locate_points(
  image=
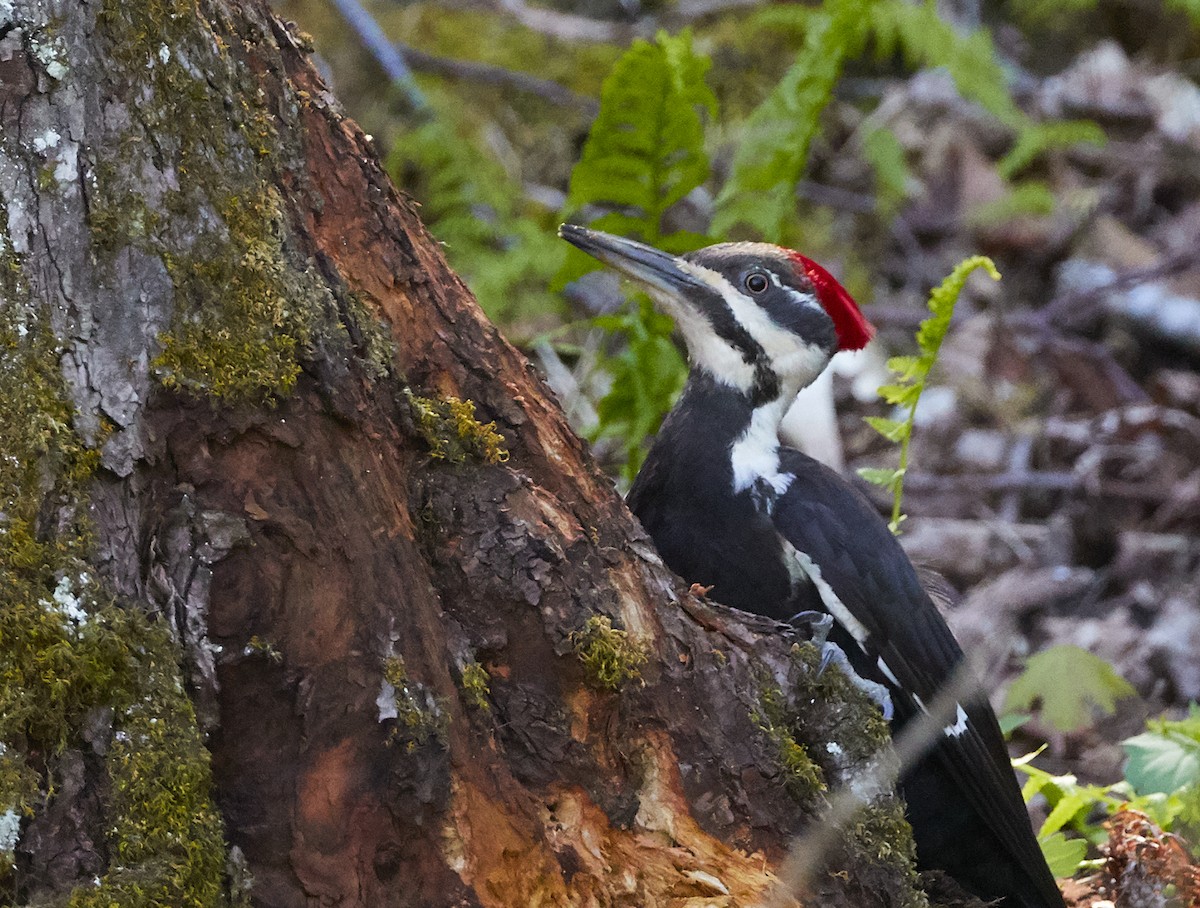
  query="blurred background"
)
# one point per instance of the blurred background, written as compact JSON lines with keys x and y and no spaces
{"x":1054,"y":473}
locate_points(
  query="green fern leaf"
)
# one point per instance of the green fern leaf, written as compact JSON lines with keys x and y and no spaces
{"x":645,"y":151}
{"x":1030,"y":197}
{"x":891,"y":429}
{"x":904,"y":367}
{"x":773,"y":154}
{"x":881,"y":477}
{"x":926,"y":40}
{"x":885,"y":154}
{"x":1038,"y":138}
{"x":644,"y":154}
{"x":941,"y":303}
{"x":910,"y":373}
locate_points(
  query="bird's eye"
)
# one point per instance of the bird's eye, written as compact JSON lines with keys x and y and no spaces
{"x":756,"y":282}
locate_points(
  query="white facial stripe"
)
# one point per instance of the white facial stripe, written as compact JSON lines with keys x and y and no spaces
{"x":960,"y":724}
{"x":841,"y":614}
{"x":707,"y":349}
{"x":793,"y":360}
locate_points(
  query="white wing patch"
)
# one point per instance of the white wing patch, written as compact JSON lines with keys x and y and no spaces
{"x":960,"y":718}
{"x":887,"y":672}
{"x":836,"y":608}
{"x":960,"y":723}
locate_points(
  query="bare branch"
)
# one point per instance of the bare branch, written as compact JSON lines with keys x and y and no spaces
{"x":490,"y":74}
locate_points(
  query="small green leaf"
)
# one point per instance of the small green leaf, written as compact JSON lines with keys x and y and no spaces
{"x":1062,"y":854}
{"x":880,"y":477}
{"x":1165,"y":757}
{"x":1075,"y":800}
{"x":773,"y":152}
{"x":891,"y":429}
{"x":1070,"y":683}
{"x":900,"y":395}
{"x":905,"y":368}
{"x":1037,"y":138}
{"x":1010,"y":722}
{"x":885,"y":154}
{"x":1028,"y":198}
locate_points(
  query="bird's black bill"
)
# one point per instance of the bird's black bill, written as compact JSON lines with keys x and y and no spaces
{"x":642,"y":263}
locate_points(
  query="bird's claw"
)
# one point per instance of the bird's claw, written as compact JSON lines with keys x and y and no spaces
{"x":832,"y":654}
{"x":829,"y":651}
{"x":819,"y":624}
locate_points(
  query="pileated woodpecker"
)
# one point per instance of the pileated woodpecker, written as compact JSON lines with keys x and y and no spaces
{"x":774,"y":532}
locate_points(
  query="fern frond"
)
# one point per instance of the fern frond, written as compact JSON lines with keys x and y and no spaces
{"x":773,"y":154}
{"x":1030,"y":197}
{"x":910,"y":373}
{"x":645,"y":151}
{"x":925,"y":39}
{"x":644,"y":154}
{"x":1037,"y":138}
{"x":885,"y":154}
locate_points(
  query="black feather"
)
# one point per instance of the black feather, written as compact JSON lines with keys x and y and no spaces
{"x":963,"y":800}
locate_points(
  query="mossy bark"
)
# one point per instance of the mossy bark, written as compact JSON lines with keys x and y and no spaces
{"x":280,"y":607}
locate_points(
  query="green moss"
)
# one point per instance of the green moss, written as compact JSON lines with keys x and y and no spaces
{"x":166,"y":840}
{"x":879,"y":833}
{"x":264,"y":648}
{"x":420,"y":720}
{"x":68,"y":650}
{"x":860,"y":729}
{"x":448,"y":425}
{"x":500,"y":40}
{"x":610,"y":657}
{"x":881,"y":830}
{"x":802,"y":777}
{"x":18,"y":783}
{"x":476,"y":686}
{"x":246,"y":348}
{"x":245,"y":309}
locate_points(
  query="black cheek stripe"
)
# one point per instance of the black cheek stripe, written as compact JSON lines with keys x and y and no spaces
{"x":766,"y":382}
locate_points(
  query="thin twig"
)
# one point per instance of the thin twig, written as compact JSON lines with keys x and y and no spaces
{"x":363,"y":24}
{"x":1064,"y":310}
{"x":1037,"y":481}
{"x":490,"y":74}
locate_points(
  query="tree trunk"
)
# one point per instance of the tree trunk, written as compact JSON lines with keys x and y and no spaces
{"x":248,"y":446}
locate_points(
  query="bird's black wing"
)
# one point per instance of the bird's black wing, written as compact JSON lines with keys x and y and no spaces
{"x":863,"y":565}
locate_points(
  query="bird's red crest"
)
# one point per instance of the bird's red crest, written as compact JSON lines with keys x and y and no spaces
{"x":853,"y":329}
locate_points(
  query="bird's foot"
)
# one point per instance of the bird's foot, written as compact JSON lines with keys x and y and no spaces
{"x":831,"y":653}
{"x":819,"y":624}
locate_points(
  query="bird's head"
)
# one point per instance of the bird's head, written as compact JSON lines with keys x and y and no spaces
{"x":756,"y":316}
